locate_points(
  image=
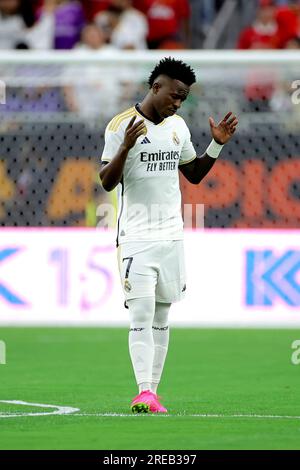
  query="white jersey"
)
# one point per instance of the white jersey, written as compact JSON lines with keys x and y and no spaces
{"x":149,"y":193}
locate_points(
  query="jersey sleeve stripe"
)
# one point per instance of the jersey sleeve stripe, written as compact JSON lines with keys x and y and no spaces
{"x":115,"y":118}
{"x":116,"y":127}
{"x":118,"y":118}
{"x":116,"y":121}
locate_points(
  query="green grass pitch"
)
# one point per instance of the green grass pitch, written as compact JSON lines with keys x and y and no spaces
{"x":224,"y":373}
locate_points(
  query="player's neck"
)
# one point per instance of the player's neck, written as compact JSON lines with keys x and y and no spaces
{"x":147,"y":110}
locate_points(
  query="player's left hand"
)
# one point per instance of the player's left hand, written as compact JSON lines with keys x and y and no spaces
{"x":223,"y":131}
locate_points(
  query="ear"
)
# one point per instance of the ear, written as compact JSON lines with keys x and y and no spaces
{"x":156,"y":87}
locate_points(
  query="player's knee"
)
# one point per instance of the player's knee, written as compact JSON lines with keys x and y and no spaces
{"x":141,"y":311}
{"x":161,"y":314}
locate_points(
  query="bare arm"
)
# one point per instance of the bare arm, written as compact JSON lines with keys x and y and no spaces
{"x":111,"y":173}
{"x":197,"y":169}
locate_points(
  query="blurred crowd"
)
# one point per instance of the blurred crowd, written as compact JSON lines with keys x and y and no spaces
{"x":94,"y":24}
{"x":276,"y":26}
{"x":139,"y":24}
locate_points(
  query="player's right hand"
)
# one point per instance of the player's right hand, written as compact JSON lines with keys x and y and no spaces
{"x":133,"y":132}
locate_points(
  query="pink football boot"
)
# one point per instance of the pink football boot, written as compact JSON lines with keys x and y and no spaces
{"x":160,"y":408}
{"x":147,"y":402}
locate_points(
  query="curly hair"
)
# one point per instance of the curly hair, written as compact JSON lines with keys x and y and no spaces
{"x":175,"y":69}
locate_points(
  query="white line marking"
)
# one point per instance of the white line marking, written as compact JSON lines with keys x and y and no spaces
{"x":60,"y":410}
{"x":162,"y":415}
{"x":67,"y":410}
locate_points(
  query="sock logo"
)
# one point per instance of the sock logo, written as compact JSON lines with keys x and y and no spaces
{"x":136,"y":329}
{"x":164,"y":328}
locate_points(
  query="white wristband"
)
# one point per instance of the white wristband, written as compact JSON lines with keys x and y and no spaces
{"x":214,"y":149}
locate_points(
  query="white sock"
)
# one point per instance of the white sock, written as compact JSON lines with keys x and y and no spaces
{"x":144,"y":386}
{"x":161,"y":342}
{"x":141,"y":345}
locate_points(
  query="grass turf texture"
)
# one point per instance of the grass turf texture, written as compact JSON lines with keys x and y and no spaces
{"x":207,"y":372}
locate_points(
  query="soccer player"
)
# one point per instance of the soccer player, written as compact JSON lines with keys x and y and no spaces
{"x":145,"y":146}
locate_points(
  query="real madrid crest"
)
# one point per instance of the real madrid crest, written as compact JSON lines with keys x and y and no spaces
{"x":127,"y":285}
{"x":176,"y":139}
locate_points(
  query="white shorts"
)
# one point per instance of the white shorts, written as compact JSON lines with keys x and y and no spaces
{"x":153,"y":269}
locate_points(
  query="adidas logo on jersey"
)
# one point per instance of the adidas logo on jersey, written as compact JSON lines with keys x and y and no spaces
{"x":146,"y":141}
